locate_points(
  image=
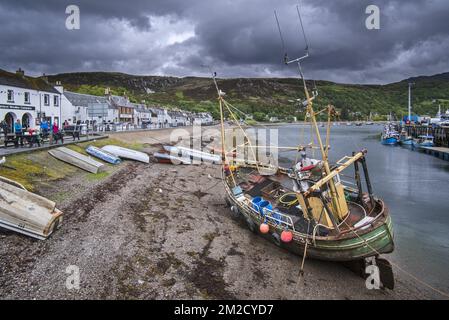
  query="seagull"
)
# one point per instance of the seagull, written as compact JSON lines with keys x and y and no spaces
{"x":2,"y":161}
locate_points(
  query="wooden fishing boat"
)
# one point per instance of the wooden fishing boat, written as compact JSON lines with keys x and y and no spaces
{"x":364,"y":230}
{"x":307,"y":209}
{"x":127,"y":153}
{"x":77,"y":159}
{"x":25,"y":212}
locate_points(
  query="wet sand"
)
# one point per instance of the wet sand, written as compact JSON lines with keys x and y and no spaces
{"x":157,"y":231}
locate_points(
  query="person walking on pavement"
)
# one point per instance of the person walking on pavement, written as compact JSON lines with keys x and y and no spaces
{"x":18,"y":130}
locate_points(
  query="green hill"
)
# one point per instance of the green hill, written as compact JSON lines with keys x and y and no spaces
{"x":267,"y":96}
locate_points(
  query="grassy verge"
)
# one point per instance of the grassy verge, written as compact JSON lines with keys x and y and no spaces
{"x":40,"y":168}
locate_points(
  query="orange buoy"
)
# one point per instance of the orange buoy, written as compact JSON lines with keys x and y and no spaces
{"x":286,"y":236}
{"x":264,"y":228}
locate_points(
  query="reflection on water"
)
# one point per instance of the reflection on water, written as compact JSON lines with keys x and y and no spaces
{"x":415,"y":187}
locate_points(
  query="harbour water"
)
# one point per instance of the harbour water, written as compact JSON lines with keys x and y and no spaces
{"x":415,"y":187}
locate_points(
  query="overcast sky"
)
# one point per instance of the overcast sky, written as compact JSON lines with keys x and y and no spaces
{"x":239,"y":38}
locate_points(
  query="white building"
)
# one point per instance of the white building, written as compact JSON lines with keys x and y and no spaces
{"x":27,"y":99}
{"x":92,"y":108}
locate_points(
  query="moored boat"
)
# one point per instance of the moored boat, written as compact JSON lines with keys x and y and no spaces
{"x":423,"y":141}
{"x":389,"y":140}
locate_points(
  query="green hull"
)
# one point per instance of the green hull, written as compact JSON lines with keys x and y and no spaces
{"x":367,"y":243}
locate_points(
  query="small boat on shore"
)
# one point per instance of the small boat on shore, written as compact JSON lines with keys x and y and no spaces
{"x":168,"y":158}
{"x":192,"y":154}
{"x":77,"y":159}
{"x":25,"y":212}
{"x":103,"y":155}
{"x":127,"y":153}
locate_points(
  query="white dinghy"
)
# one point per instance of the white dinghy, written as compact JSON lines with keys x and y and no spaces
{"x":127,"y":153}
{"x":187,"y":153}
{"x":77,"y":159}
{"x":25,"y":212}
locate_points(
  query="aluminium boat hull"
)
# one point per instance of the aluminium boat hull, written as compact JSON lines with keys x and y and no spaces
{"x":127,"y":153}
{"x":77,"y":159}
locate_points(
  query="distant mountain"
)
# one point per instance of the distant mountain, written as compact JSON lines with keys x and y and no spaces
{"x":267,"y":96}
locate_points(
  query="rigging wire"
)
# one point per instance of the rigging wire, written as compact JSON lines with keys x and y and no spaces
{"x":282,"y":38}
{"x":302,"y":28}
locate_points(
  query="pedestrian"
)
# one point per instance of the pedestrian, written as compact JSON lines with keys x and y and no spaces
{"x":57,"y":135}
{"x":18,"y":131}
{"x":44,"y":128}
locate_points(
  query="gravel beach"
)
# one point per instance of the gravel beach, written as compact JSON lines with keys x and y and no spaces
{"x":157,"y":231}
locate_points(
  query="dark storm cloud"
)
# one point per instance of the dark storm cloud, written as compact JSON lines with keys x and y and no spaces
{"x":238,"y":37}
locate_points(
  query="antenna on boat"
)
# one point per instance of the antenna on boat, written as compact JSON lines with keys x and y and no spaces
{"x":308,"y":103}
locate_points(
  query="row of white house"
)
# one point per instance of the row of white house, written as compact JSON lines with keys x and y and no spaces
{"x":32,"y":99}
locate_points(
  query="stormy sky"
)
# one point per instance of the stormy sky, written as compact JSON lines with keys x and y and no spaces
{"x":238,"y":38}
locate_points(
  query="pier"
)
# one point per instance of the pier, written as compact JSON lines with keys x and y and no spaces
{"x":439,"y":152}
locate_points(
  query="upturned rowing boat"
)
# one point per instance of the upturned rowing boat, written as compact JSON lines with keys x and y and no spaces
{"x":187,"y":153}
{"x":127,"y":153}
{"x":77,"y":159}
{"x":103,"y":155}
{"x":25,"y":212}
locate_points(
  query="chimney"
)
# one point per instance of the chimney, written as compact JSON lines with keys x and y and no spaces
{"x":59,"y":87}
{"x":20,"y":72}
{"x":44,"y":77}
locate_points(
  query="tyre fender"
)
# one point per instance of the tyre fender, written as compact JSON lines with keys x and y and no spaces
{"x":276,"y":238}
{"x":251,"y":225}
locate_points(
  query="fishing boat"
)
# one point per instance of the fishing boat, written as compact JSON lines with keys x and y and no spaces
{"x":127,"y":153}
{"x":77,"y":159}
{"x":307,"y":208}
{"x":25,"y":212}
{"x":423,"y":141}
{"x":405,"y":139}
{"x":389,"y":135}
{"x":103,"y":155}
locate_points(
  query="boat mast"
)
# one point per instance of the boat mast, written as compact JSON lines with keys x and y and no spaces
{"x":311,"y":112}
{"x":410,"y":101}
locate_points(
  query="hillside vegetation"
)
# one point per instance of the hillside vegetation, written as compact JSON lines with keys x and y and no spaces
{"x":263,"y":97}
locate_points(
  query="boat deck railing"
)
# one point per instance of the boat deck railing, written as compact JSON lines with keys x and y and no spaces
{"x":273,"y":216}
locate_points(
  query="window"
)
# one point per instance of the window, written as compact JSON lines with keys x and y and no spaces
{"x":55,"y":101}
{"x":10,"y":96}
{"x":27,"y":98}
{"x":46,"y":99}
